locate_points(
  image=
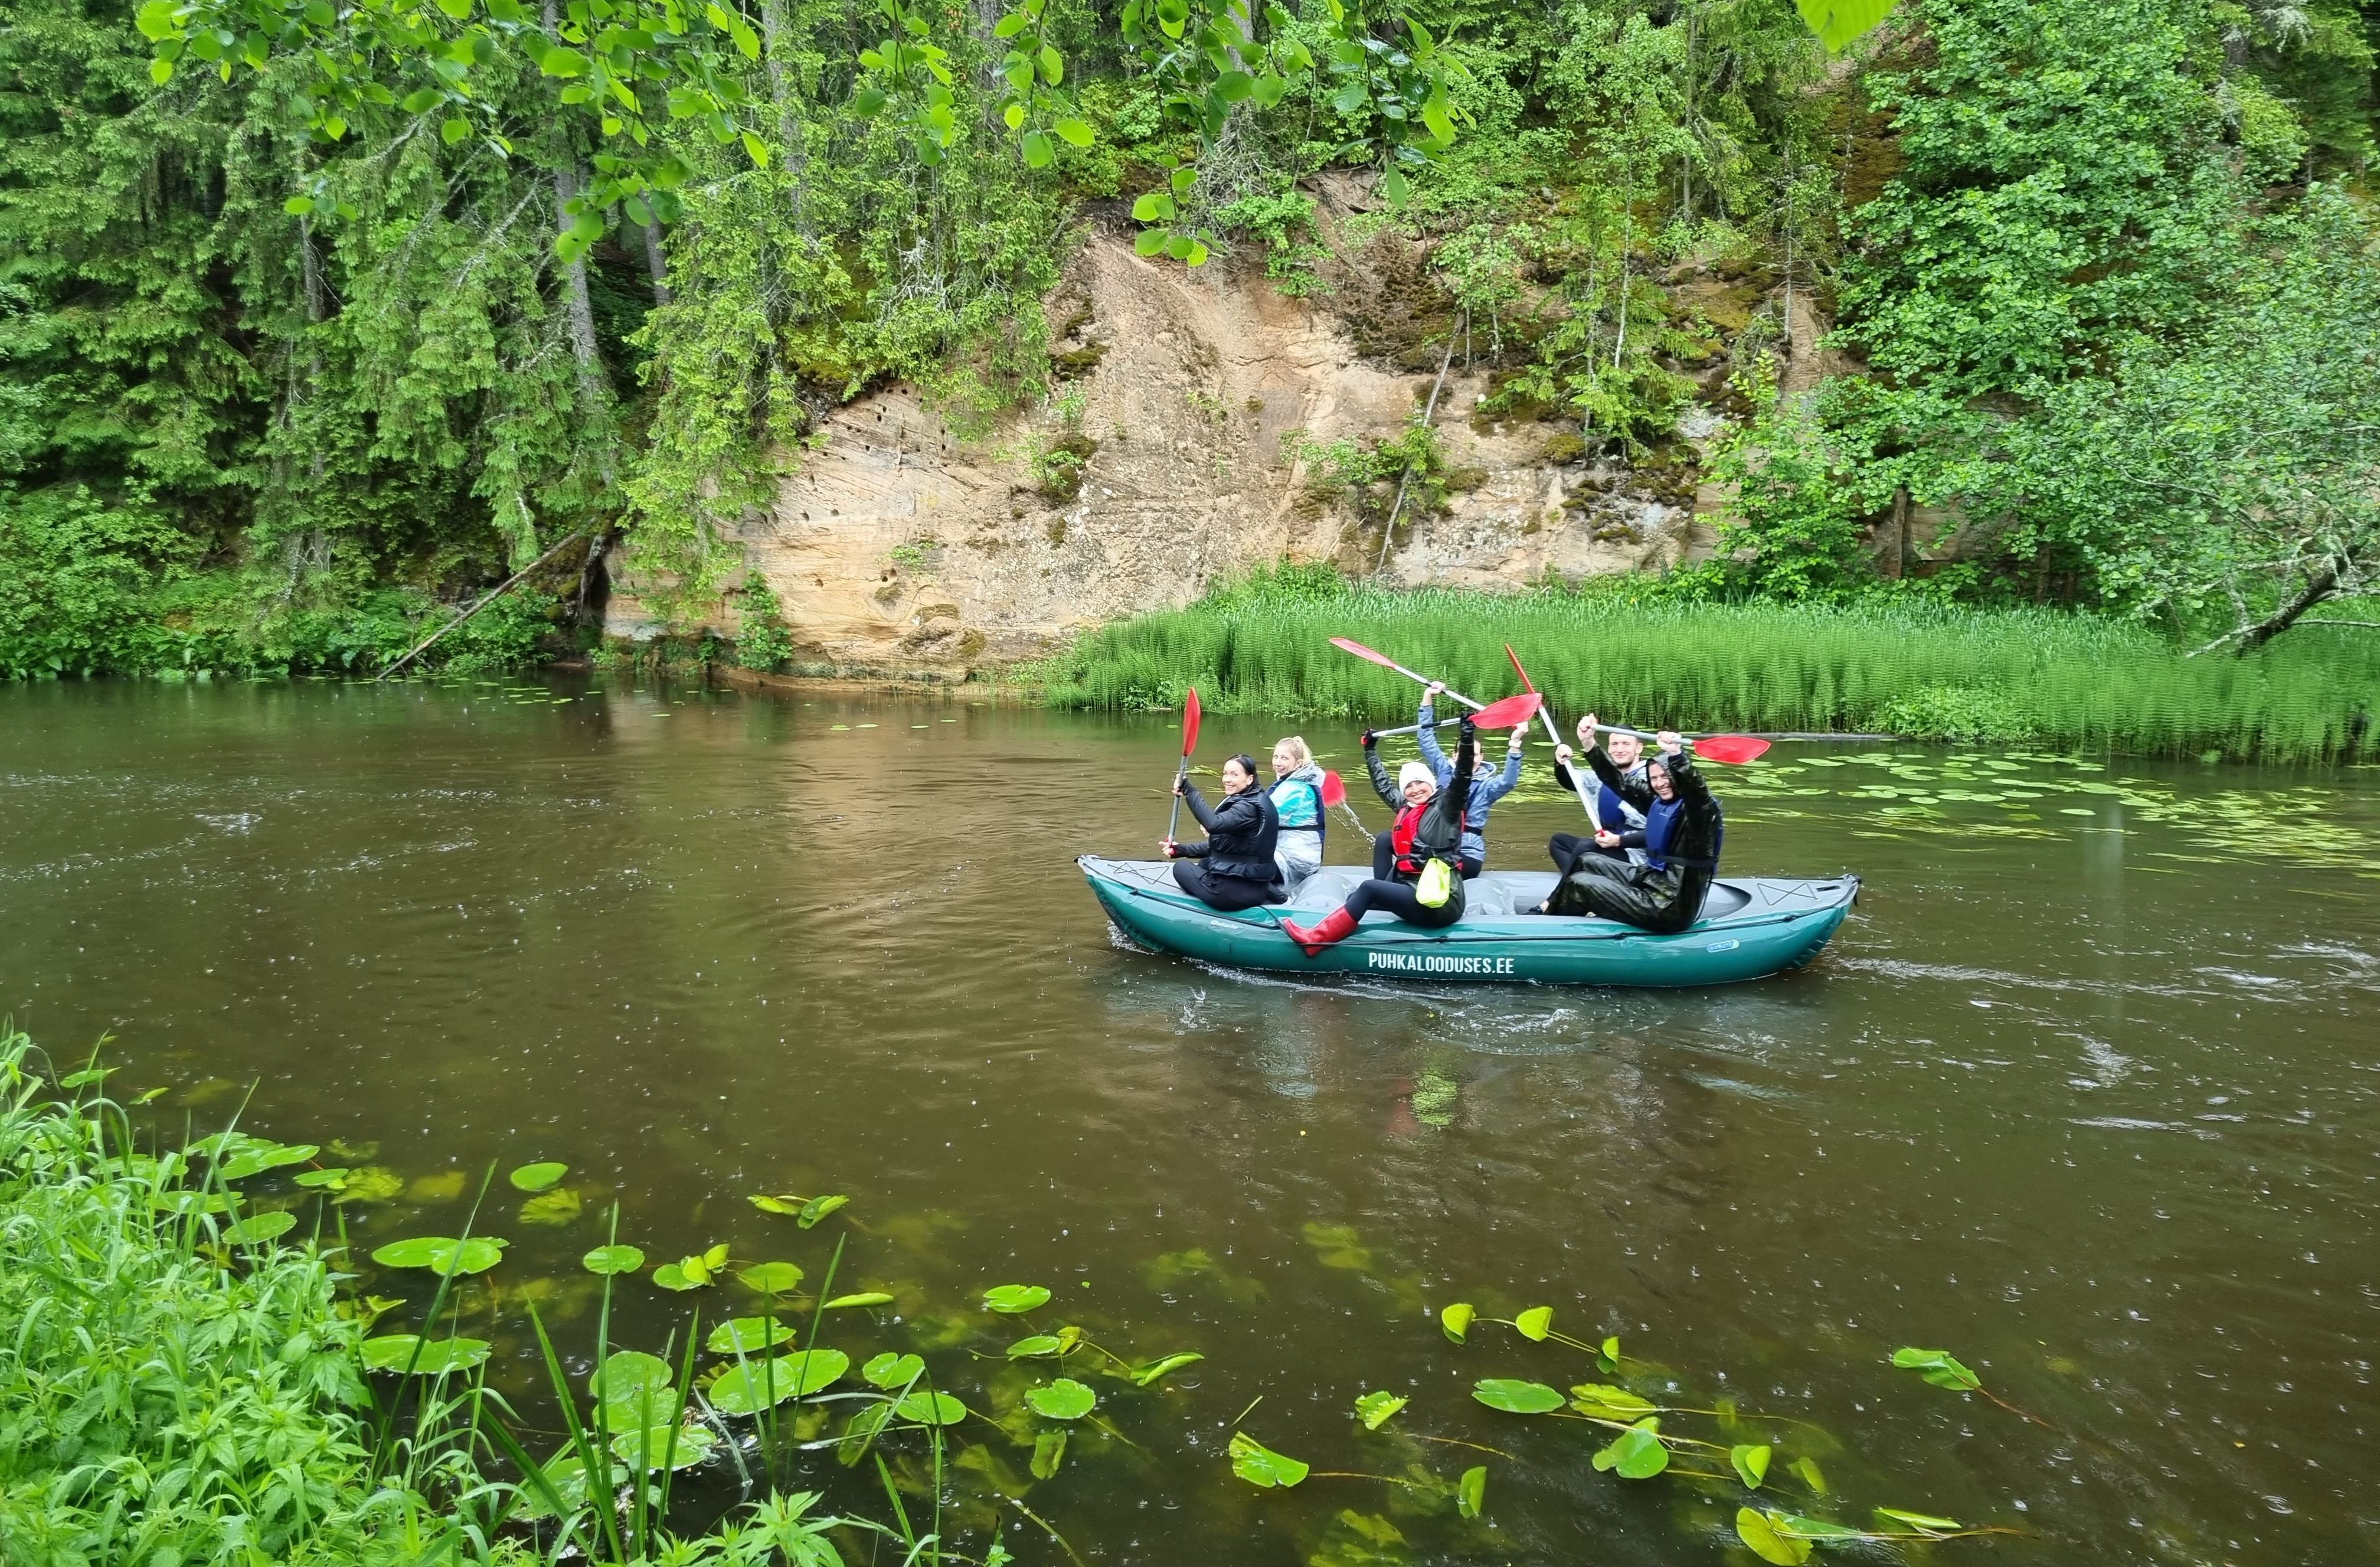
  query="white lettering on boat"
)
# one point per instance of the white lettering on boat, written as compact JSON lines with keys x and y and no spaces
{"x":1435,"y":962}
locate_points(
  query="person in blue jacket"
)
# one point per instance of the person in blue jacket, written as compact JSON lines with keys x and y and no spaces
{"x":1297,"y":795}
{"x":1487,"y":786}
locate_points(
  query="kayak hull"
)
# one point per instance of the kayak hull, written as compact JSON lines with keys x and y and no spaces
{"x":1752,"y":926}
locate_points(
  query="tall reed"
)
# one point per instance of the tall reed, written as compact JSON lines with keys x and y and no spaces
{"x":1904,"y":667}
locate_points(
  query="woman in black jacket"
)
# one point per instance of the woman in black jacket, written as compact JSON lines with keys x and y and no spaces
{"x":1683,"y":829}
{"x":1428,"y":832}
{"x":1234,"y":867}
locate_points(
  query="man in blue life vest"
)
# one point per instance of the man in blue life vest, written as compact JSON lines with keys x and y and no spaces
{"x":1618,"y":834}
{"x":1684,"y":833}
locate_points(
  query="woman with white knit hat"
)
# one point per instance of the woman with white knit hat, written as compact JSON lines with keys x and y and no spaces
{"x":1424,"y":885}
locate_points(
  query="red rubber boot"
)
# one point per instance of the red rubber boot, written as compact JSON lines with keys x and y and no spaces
{"x":1336,"y":926}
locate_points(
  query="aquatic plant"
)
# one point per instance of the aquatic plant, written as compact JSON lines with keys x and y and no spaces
{"x":1262,"y":645}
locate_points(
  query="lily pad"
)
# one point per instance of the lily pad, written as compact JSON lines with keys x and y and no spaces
{"x":1925,"y":1522}
{"x":1516,"y":1397}
{"x":771,"y":1278}
{"x":932,"y":1409}
{"x":817,"y":1209}
{"x":1376,"y":1408}
{"x":1794,"y":1525}
{"x":1142,"y":1376}
{"x":862,"y":1301}
{"x":1807,"y":1470}
{"x":748,"y":1389}
{"x":1037,"y":1346}
{"x":1604,"y":1402}
{"x":680,"y":1447}
{"x":258,"y":1158}
{"x":538,"y":1177}
{"x":443,"y":1254}
{"x":1262,"y":1468}
{"x":394,"y":1352}
{"x":1065,"y":1399}
{"x":891,"y":1371}
{"x":1754,"y":1528}
{"x":550,"y":1208}
{"x":1049,"y":1451}
{"x":613,"y":1259}
{"x":630,"y":1377}
{"x":334,"y":1179}
{"x":259,"y":1228}
{"x":1751,"y":1463}
{"x":748,"y":1335}
{"x":1472,"y":1493}
{"x":1635,"y":1453}
{"x":1938,"y":1366}
{"x":1013,"y":1299}
{"x":1456,"y":1320}
{"x":1534,"y":1323}
{"x":373,"y":1183}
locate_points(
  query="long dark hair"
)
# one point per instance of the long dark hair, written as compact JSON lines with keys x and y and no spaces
{"x":1247,"y":765}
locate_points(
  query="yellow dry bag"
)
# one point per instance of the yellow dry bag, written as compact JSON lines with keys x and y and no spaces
{"x":1436,"y":886}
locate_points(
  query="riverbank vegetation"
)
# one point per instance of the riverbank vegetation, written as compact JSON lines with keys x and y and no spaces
{"x":1905,"y":665}
{"x":318,"y":320}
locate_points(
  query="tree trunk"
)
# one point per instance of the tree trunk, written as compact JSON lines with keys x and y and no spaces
{"x":790,"y":147}
{"x":578,"y":309}
{"x":656,"y":263}
{"x":1900,"y":526}
{"x":2318,"y":586}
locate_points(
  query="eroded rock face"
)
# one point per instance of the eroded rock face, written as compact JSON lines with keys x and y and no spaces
{"x":1160,"y":466}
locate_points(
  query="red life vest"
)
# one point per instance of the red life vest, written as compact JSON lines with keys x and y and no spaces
{"x":1401,"y":836}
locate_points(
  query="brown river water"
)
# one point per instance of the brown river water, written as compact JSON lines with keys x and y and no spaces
{"x":2086,"y":1091}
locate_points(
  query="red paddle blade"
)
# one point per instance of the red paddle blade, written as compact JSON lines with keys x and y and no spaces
{"x":1732,"y":748}
{"x":1190,"y":722}
{"x":1510,"y":711}
{"x":1349,"y":645}
{"x":1334,"y":793}
{"x":1526,"y":683}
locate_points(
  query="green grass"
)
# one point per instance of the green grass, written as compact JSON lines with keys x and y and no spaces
{"x":1893,"y":667}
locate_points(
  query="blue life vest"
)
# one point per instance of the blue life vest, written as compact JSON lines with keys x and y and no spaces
{"x":1661,"y":824}
{"x":1609,"y":810}
{"x":1300,"y":804}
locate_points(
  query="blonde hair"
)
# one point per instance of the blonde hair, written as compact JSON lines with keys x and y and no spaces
{"x":1295,"y":745}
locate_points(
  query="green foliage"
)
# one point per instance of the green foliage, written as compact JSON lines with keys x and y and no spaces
{"x":1639,"y":657}
{"x":763,"y":641}
{"x":1791,"y":531}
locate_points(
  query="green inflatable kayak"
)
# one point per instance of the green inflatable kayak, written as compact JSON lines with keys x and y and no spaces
{"x":1752,"y":926}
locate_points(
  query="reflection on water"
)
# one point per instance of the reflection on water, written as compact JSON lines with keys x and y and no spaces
{"x":2083,"y":1092}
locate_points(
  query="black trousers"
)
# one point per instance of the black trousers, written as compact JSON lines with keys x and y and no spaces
{"x":1630,"y":894}
{"x":1569,"y":848}
{"x":1384,"y":859}
{"x":1229,"y":894}
{"x":1400,"y":899}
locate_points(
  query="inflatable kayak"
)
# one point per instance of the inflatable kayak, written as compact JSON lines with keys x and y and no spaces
{"x":1752,"y":926}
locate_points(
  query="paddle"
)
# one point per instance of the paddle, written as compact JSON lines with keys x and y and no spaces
{"x":1512,"y":712}
{"x":1734,"y":749}
{"x":1334,"y":795}
{"x":1189,"y":744}
{"x":1577,"y":776}
{"x":1349,"y":645}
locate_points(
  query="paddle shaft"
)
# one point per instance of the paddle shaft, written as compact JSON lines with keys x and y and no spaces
{"x":1553,"y":732}
{"x":1422,"y":680}
{"x":1175,"y":820}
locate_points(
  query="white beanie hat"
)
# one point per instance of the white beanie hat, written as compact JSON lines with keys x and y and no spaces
{"x":1416,"y":772}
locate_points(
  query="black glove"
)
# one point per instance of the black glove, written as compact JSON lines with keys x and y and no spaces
{"x":1466,"y":729}
{"x":1370,"y":740}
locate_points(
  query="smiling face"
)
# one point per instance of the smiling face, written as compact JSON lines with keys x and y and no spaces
{"x":1658,"y":776}
{"x":1624,"y":750}
{"x":1284,"y":760}
{"x":1417,"y":792}
{"x":1235,"y":777}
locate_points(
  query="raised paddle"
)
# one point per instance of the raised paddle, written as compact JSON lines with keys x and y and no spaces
{"x":1189,"y":744}
{"x":1334,"y":796}
{"x":1577,"y":777}
{"x":1512,"y":712}
{"x":1734,"y":749}
{"x":1349,"y":645}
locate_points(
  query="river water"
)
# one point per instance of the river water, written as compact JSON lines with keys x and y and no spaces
{"x":2083,"y":1092}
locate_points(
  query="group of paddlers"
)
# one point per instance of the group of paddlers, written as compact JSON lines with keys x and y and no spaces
{"x":1647,"y":863}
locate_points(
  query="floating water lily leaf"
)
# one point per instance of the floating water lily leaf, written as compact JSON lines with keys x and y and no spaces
{"x":672,"y":1276}
{"x":1262,"y":1468}
{"x":1938,"y":1366}
{"x":334,"y":1179}
{"x":1142,"y":1376}
{"x":1517,"y":1397}
{"x":1605,"y":1402}
{"x":444,"y":1187}
{"x":1925,"y":1522}
{"x":891,"y":1371}
{"x":747,"y":1335}
{"x":1456,"y":1320}
{"x":1607,"y":1358}
{"x":373,"y":1183}
{"x":860,"y":1431}
{"x":443,"y":1254}
{"x":394,"y":1352}
{"x":259,"y":1228}
{"x":613,"y":1259}
{"x":1534,"y":1323}
{"x":1810,"y":1475}
{"x":1754,"y":1528}
{"x":1751,"y":1463}
{"x":1049,"y":1451}
{"x":1375,"y":1408}
{"x":678,"y":1447}
{"x":788,"y":1205}
{"x":1635,"y":1453}
{"x":183,"y":1204}
{"x":866,"y":1298}
{"x":1338,"y":1245}
{"x":1014,"y":1298}
{"x":817,"y":1209}
{"x":1037,"y":1345}
{"x":538,"y":1177}
{"x":1472,"y":1493}
{"x":1065,"y":1399}
{"x":550,"y":1208}
{"x":748,"y":1389}
{"x":771,"y":1278}
{"x":630,"y":1377}
{"x":257,"y":1158}
{"x":1796,"y":1527}
{"x":567,"y":1474}
{"x":932,"y":1409}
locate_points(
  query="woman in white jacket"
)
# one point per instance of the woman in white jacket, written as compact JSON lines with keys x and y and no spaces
{"x":1297,"y":795}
